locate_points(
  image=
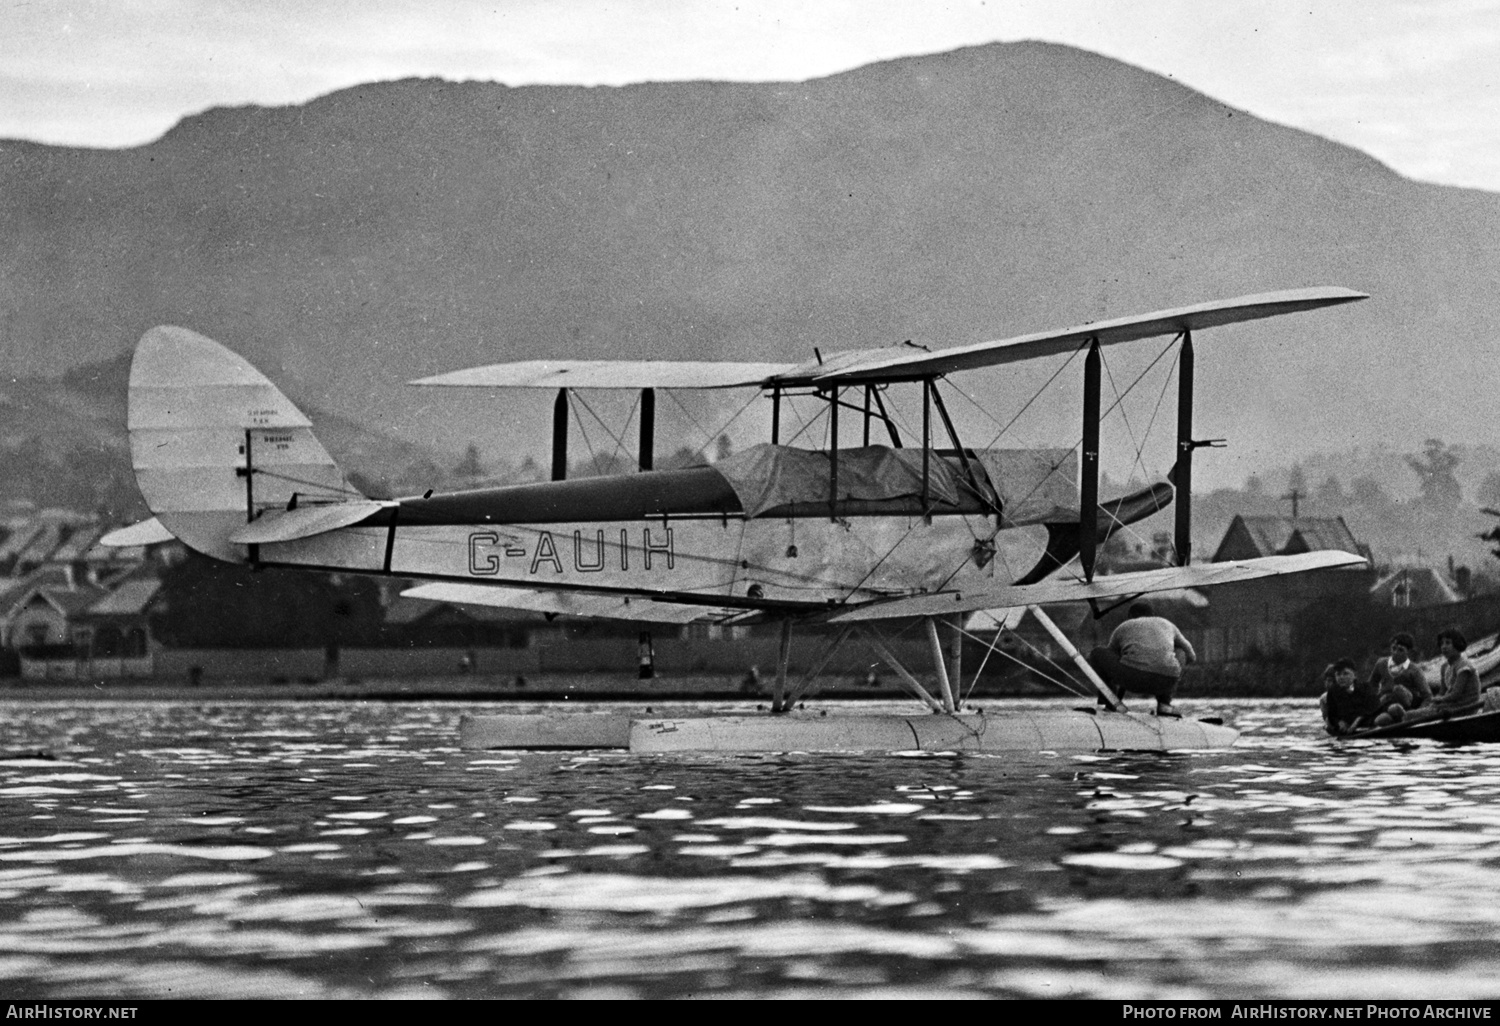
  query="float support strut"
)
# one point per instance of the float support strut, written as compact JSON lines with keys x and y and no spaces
{"x":783,"y":660}
{"x":1110,"y":698}
{"x":939,"y":663}
{"x":956,"y":657}
{"x":912,"y":684}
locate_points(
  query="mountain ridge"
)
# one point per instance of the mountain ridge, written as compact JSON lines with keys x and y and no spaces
{"x":392,"y":230}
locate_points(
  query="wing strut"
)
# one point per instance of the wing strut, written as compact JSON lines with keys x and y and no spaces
{"x":833,"y":455}
{"x":926,"y":441}
{"x":890,"y":425}
{"x":648,"y":428}
{"x":958,"y":446}
{"x":1182,"y":478}
{"x":1110,"y":698}
{"x":912,"y":684}
{"x":560,"y":436}
{"x":1088,"y":501}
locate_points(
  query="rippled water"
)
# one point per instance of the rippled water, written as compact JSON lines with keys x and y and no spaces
{"x":346,"y":850}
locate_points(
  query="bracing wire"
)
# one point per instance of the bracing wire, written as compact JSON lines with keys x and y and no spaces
{"x":1160,"y":397}
{"x":322,"y":486}
{"x":1066,"y":683}
{"x":806,"y":424}
{"x":584,"y":432}
{"x":671,"y":394}
{"x":1139,"y":462}
{"x":737,"y":414}
{"x":1124,"y":415}
{"x":711,"y":436}
{"x":1034,"y":397}
{"x":620,"y":446}
{"x":1140,"y":448}
{"x":1120,"y":398}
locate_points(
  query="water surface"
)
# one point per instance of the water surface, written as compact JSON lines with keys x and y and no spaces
{"x":352,"y":850}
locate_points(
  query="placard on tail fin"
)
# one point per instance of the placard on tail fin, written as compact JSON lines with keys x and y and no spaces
{"x":214,"y":443}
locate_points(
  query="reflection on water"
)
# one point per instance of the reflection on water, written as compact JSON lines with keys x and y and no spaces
{"x":345,"y":850}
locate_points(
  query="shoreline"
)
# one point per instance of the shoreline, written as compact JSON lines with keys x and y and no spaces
{"x":539,"y":688}
{"x":544,"y":687}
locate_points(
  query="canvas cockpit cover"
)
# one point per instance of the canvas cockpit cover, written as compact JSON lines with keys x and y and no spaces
{"x":1032,"y":482}
{"x":767,"y":477}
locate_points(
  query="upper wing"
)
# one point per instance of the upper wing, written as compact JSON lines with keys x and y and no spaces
{"x":614,"y":607}
{"x":611,"y":374}
{"x":908,"y":365}
{"x":892,"y":363}
{"x":1142,"y":582}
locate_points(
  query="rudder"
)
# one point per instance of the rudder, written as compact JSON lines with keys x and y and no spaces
{"x":214,"y":443}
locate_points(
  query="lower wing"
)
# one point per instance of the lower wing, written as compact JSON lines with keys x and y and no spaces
{"x":573,"y":603}
{"x":1055,"y":590}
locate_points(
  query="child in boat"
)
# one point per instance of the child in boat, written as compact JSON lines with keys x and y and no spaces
{"x":1349,"y":704}
{"x":1400,"y":683}
{"x":1458,"y":695}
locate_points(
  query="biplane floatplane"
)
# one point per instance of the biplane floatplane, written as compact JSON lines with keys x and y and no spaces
{"x":847,"y":538}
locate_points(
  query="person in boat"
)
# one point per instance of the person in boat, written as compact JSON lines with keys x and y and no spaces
{"x":1349,"y":704}
{"x":1145,"y":656}
{"x":1458,"y":694}
{"x":1399,"y":681}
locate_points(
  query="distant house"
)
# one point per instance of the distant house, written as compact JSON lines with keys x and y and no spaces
{"x":63,"y":629}
{"x":35,"y":610}
{"x":1413,"y":588}
{"x":112,"y":635}
{"x":1251,"y":620}
{"x":70,"y":606}
{"x":1252,"y":537}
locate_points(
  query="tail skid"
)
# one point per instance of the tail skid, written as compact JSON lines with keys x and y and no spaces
{"x":215,"y":444}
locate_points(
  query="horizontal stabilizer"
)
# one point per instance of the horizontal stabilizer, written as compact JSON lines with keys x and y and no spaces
{"x":1141,"y":582}
{"x":147,"y":532}
{"x":291,"y":524}
{"x":569,"y":603}
{"x":610,"y":374}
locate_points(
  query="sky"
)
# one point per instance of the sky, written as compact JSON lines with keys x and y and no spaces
{"x":1414,"y":83}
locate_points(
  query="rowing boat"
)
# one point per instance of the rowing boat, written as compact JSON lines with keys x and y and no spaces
{"x":1475,"y":728}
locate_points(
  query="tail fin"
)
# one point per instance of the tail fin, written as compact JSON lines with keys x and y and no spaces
{"x":215,"y":444}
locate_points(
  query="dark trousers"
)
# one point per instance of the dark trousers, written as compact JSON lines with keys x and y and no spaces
{"x":1128,"y":680}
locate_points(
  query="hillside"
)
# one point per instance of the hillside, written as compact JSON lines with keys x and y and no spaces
{"x":63,"y":443}
{"x":405,"y":228}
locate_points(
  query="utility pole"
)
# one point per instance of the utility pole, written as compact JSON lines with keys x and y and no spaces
{"x":1294,"y":495}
